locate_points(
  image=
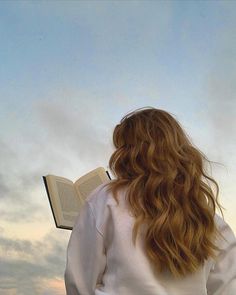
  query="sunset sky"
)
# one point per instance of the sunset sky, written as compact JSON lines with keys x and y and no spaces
{"x":70,"y":70}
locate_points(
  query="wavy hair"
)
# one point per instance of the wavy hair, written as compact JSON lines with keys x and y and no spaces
{"x":163,"y":173}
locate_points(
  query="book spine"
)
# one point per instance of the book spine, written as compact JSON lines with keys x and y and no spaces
{"x":46,"y":186}
{"x":54,"y":217}
{"x":108,"y":174}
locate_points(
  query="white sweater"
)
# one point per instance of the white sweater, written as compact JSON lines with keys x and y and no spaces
{"x":101,"y":259}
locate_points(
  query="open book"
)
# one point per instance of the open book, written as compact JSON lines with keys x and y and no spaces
{"x":66,"y":198}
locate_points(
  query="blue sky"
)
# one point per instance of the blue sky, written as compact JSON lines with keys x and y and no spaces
{"x":69,"y":72}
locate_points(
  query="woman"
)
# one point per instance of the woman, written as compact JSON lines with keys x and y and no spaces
{"x":153,"y":230}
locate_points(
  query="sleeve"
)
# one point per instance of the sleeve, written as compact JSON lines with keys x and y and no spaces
{"x":222,"y":276}
{"x":86,"y":259}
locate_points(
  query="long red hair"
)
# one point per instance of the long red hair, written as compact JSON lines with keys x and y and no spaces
{"x":164,"y":175}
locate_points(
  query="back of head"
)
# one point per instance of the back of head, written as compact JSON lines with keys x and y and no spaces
{"x":164,"y":173}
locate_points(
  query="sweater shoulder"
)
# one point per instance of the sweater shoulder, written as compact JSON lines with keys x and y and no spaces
{"x":226,"y":231}
{"x":101,"y":202}
{"x":99,"y":197}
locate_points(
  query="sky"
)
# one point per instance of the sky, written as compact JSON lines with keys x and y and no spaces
{"x":70,"y":70}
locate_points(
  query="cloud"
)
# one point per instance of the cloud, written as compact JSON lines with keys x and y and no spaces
{"x":220,"y":101}
{"x":74,"y":127}
{"x":18,"y":182}
{"x":69,"y":138}
{"x":25,"y":265}
{"x":18,"y":187}
{"x":4,"y":189}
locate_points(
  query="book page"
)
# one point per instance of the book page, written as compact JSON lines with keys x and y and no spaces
{"x":65,"y":199}
{"x":69,"y":202}
{"x":87,"y":183}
